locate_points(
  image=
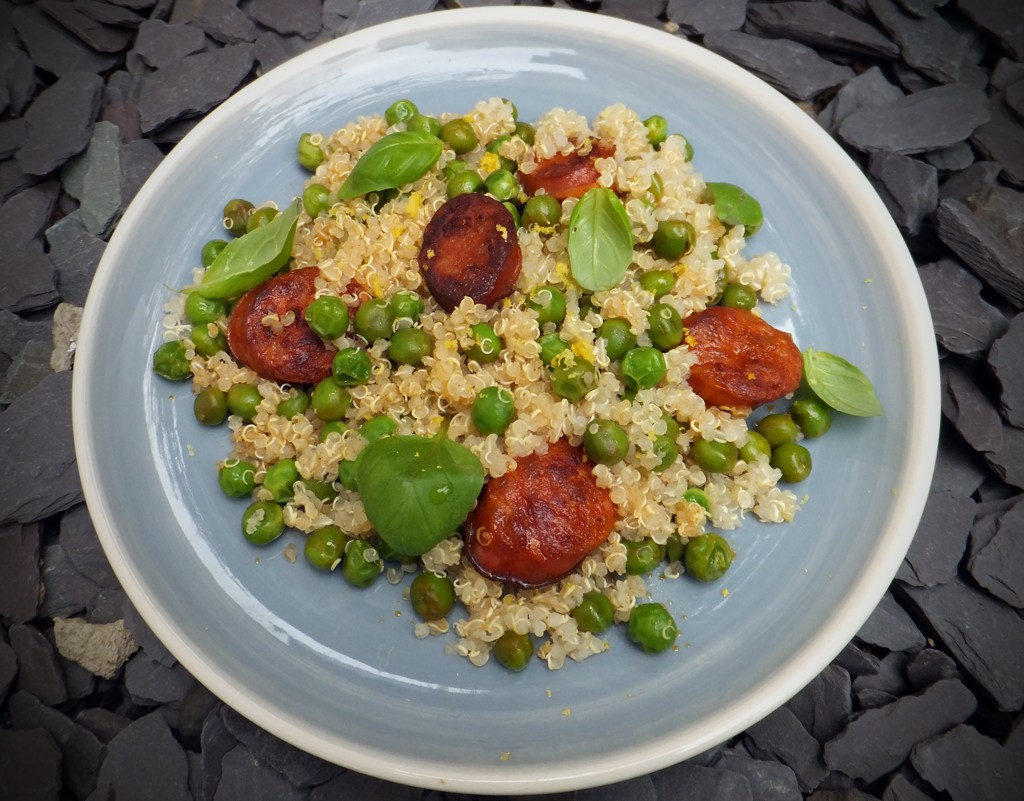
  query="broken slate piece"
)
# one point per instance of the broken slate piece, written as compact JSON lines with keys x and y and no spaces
{"x":999,"y":18}
{"x":17,"y":78}
{"x":955,"y":157}
{"x":969,"y":410}
{"x":27,"y":369}
{"x":93,"y":178}
{"x":215,"y":742}
{"x":781,"y":738}
{"x":29,"y":765}
{"x":78,"y":536}
{"x":336,"y":15}
{"x":20,"y":582}
{"x":967,"y":765}
{"x":695,"y":16}
{"x":24,"y":216}
{"x":909,"y":188}
{"x":220,"y":19}
{"x":879,"y":740}
{"x":53,"y":49}
{"x":67,"y":591}
{"x":150,"y":684}
{"x":372,"y":12}
{"x":102,"y":722}
{"x":823,"y":706}
{"x":144,"y":636}
{"x":999,"y":565}
{"x":1008,"y":461}
{"x":890,"y":678}
{"x":99,"y":37}
{"x":964,"y":322}
{"x":300,"y":17}
{"x":646,"y":12}
{"x":689,"y":782}
{"x":1006,"y":358}
{"x":638,"y":789}
{"x":1005,"y":73}
{"x":792,"y":68}
{"x":75,"y":254}
{"x":769,"y":781}
{"x":855,"y":661}
{"x":194,"y":86}
{"x":929,"y":666}
{"x":961,"y":185}
{"x":1014,"y":98}
{"x":890,"y":627}
{"x":823,"y":27}
{"x":939,"y":542}
{"x":8,"y":669}
{"x":958,"y":469}
{"x":60,"y":122}
{"x":926,"y":120}
{"x":358,"y":785}
{"x":144,"y":761}
{"x":160,"y":44}
{"x":110,"y":14}
{"x":245,"y":776}
{"x":138,"y":160}
{"x":38,"y":670}
{"x":999,"y":140}
{"x":12,"y":136}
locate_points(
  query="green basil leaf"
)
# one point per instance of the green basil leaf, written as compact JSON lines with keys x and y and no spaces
{"x":251,"y":259}
{"x":840,"y":384}
{"x":600,"y":240}
{"x":735,"y":207}
{"x":417,"y":490}
{"x":393,"y":161}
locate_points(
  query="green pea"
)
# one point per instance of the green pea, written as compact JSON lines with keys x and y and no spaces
{"x":211,"y":250}
{"x":793,"y":460}
{"x":432,"y":595}
{"x":310,"y":155}
{"x":493,"y":410}
{"x":574,"y":381}
{"x":375,"y":320}
{"x":424,"y":124}
{"x":207,"y":344}
{"x":280,"y":478}
{"x":664,"y":326}
{"x":542,"y":210}
{"x":406,"y":305}
{"x":657,"y":129}
{"x":595,"y":612}
{"x":260,"y":217}
{"x":605,"y":442}
{"x":333,"y":427}
{"x":525,"y":132}
{"x":362,"y":563}
{"x":756,"y":447}
{"x":327,"y":316}
{"x":549,"y":303}
{"x":778,"y":428}
{"x":738,"y":296}
{"x":652,"y":628}
{"x":812,"y":415}
{"x":513,"y":651}
{"x":458,"y":134}
{"x":295,"y":404}
{"x":325,"y":547}
{"x":506,"y":163}
{"x":643,"y":368}
{"x":550,"y":346}
{"x":708,"y":556}
{"x":410,"y":346}
{"x":687,"y":149}
{"x":714,"y":457}
{"x":502,"y":185}
{"x":671,"y":427}
{"x":666,"y":450}
{"x":378,"y":427}
{"x":673,"y":238}
{"x":262,"y":522}
{"x":201,"y":310}
{"x":237,"y":478}
{"x":658,"y":282}
{"x":330,"y":400}
{"x":323,"y":490}
{"x":211,"y":407}
{"x":487,"y":345}
{"x":657,"y":187}
{"x":170,"y":361}
{"x":674,"y":547}
{"x":642,"y":556}
{"x":453,"y":168}
{"x":351,"y":367}
{"x":464,"y":183}
{"x":347,"y":475}
{"x":243,"y":400}
{"x":698,"y":496}
{"x":316,"y":199}
{"x":236,"y":215}
{"x":400,"y":111}
{"x":617,"y":336}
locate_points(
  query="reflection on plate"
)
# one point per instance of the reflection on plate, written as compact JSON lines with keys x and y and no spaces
{"x":337,"y":671}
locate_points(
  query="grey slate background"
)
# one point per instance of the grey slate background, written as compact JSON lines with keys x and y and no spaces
{"x":925,"y":703}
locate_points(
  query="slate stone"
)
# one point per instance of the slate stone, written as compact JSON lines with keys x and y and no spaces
{"x":78,"y":537}
{"x":29,"y":765}
{"x":27,"y":369}
{"x":999,"y":565}
{"x":104,"y":723}
{"x":20,"y":580}
{"x":964,"y":322}
{"x":873,"y":698}
{"x":856,"y":661}
{"x":961,"y":185}
{"x":67,"y":592}
{"x":1008,"y":462}
{"x":823,"y":706}
{"x":955,"y":157}
{"x":220,"y":19}
{"x":8,"y":668}
{"x":823,"y":27}
{"x":999,"y":140}
{"x":74,"y":254}
{"x":99,"y":37}
{"x":900,"y":789}
{"x":152,"y":684}
{"x":53,"y":49}
{"x":890,"y":678}
{"x":40,"y":476}
{"x":353,"y":786}
{"x":694,"y":16}
{"x":100,"y":11}
{"x":38,"y":670}
{"x":138,"y":160}
{"x":926,"y":120}
{"x":197,"y":705}
{"x":17,"y":78}
{"x":986,"y":522}
{"x":93,"y":178}
{"x":909,"y":188}
{"x":81,"y":751}
{"x":270,"y":51}
{"x":984,"y":636}
{"x":194,"y":86}
{"x":60,"y":122}
{"x":215,"y":743}
{"x":940,"y":541}
{"x":968,"y":409}
{"x":13,"y":133}
{"x":1014,"y":98}
{"x":967,"y":765}
{"x":1006,"y":358}
{"x":373,"y":12}
{"x":781,"y":738}
{"x":769,"y":781}
{"x":24,"y":216}
{"x":999,"y":19}
{"x":845,"y":794}
{"x":302,"y":17}
{"x":337,"y":14}
{"x":245,"y":776}
{"x":890,"y":627}
{"x":879,"y":740}
{"x":1005,"y":73}
{"x":144,"y":761}
{"x":645,"y":12}
{"x":688,"y":782}
{"x":160,"y":44}
{"x":146,"y":639}
{"x":638,"y":789}
{"x":106,"y":606}
{"x":17,"y":331}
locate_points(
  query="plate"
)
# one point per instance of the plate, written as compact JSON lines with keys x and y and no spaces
{"x":337,"y":671}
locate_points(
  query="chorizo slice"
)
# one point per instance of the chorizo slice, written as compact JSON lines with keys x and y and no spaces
{"x":567,"y":174}
{"x":268,"y":332}
{"x":470,"y":248}
{"x":535,"y":524}
{"x":741,"y":359}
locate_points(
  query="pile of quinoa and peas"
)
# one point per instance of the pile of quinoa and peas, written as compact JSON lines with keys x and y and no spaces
{"x":470,"y":354}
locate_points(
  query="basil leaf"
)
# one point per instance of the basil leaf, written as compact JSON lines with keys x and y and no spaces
{"x":840,"y":384}
{"x":600,"y":240}
{"x":735,"y":207}
{"x":417,"y":490}
{"x":395,"y":160}
{"x":251,"y":259}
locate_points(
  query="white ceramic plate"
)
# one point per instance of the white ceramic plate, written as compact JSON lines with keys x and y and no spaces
{"x":336,"y":671}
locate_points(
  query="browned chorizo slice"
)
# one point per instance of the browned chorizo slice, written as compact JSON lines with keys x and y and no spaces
{"x":470,"y":249}
{"x":535,"y":524}
{"x":268,"y":332}
{"x":741,"y":359}
{"x":567,"y":174}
